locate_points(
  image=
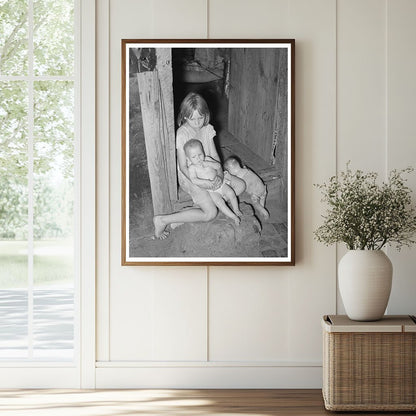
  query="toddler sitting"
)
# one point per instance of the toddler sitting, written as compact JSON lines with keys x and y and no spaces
{"x":255,"y":187}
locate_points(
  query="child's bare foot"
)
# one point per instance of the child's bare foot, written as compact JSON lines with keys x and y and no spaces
{"x":160,"y":228}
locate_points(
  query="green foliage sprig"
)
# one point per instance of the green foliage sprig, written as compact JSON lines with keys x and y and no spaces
{"x":366,"y":215}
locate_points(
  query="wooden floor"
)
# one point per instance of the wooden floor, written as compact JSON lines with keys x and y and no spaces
{"x":165,"y":402}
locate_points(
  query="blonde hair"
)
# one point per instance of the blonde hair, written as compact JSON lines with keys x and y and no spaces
{"x":192,"y":144}
{"x":232,"y":161}
{"x":190,"y":103}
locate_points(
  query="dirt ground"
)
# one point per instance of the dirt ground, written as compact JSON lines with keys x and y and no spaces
{"x":222,"y":238}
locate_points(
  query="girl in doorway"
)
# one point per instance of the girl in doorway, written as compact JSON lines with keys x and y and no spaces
{"x":193,"y":121}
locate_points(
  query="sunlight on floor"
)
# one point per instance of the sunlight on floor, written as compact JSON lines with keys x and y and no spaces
{"x":114,"y":402}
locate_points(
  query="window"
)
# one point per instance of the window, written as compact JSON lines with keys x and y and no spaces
{"x":38,"y":184}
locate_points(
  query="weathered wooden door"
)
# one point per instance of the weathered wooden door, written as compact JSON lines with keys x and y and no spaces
{"x":258,"y":100}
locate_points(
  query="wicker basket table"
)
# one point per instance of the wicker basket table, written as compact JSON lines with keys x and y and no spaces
{"x":369,"y":366}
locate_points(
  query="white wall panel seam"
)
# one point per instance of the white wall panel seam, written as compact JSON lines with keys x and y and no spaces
{"x":208,"y":22}
{"x":387,"y":48}
{"x":207,"y":315}
{"x":336,"y":141}
{"x":103,"y":179}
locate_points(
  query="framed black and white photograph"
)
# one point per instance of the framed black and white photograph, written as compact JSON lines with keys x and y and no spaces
{"x":208,"y":152}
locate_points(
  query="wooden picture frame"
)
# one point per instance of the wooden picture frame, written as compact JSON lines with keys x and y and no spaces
{"x":249,"y":89}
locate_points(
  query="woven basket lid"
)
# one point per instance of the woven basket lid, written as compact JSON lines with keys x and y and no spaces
{"x":389,"y":323}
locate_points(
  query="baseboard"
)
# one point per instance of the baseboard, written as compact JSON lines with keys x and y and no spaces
{"x":209,"y":377}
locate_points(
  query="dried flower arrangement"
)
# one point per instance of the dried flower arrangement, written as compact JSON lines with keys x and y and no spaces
{"x":366,"y":215}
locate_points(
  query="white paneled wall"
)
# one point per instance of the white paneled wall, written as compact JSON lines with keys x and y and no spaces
{"x":243,"y":20}
{"x":254,"y":326}
{"x":164,"y":315}
{"x":361,"y":84}
{"x":401,"y":131}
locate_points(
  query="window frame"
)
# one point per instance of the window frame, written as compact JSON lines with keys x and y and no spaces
{"x":81,"y":371}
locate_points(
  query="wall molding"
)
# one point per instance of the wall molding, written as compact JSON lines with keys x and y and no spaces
{"x":204,"y":364}
{"x":207,"y":377}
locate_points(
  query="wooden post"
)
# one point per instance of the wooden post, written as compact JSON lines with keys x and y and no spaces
{"x":149,"y":89}
{"x":164,"y":70}
{"x":156,"y":101}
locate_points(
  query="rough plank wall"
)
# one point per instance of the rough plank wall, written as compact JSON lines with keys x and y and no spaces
{"x":254,"y":80}
{"x":280,"y":154}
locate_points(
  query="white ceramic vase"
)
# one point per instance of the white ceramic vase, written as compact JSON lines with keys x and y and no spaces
{"x":364,"y":278}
